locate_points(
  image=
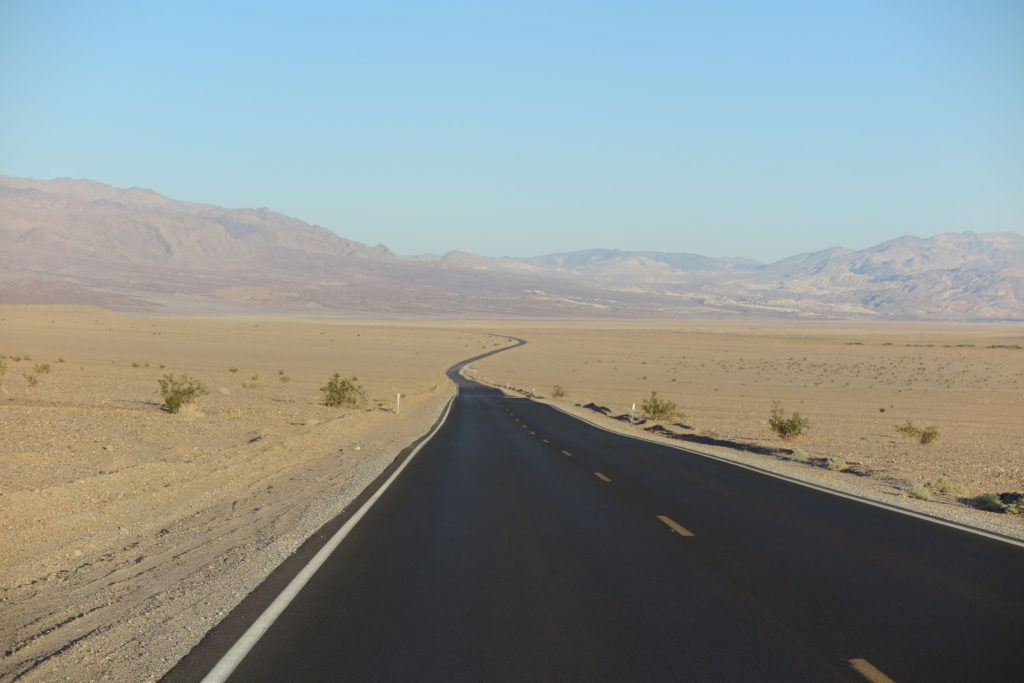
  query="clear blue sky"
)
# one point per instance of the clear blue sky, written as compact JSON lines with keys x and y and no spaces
{"x":757,"y":129}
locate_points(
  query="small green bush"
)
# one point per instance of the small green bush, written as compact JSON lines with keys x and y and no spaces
{"x":920,"y":491}
{"x":31,"y":379}
{"x":925,"y":436}
{"x":3,"y":371}
{"x":800,"y":455}
{"x":559,"y":391}
{"x":658,"y":408}
{"x":229,"y":369}
{"x":787,"y":427}
{"x":177,"y":391}
{"x":944,"y":484}
{"x":836,"y":464}
{"x":989,"y":502}
{"x":908,"y":429}
{"x":341,"y":391}
{"x":41,"y":368}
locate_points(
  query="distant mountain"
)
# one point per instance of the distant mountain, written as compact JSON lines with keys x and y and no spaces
{"x":600,"y":264}
{"x":79,"y":241}
{"x":86,"y":219}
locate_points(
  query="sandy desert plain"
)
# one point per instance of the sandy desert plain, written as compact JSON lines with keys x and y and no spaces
{"x":127,"y":532}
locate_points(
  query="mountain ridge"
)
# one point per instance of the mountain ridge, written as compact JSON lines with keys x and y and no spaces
{"x":134,"y":249}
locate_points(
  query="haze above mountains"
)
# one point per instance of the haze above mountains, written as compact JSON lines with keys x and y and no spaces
{"x":134,"y":250}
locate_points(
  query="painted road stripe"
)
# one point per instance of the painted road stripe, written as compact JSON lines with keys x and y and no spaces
{"x":567,"y":453}
{"x":868,"y":671}
{"x":233,"y":657}
{"x":601,"y":476}
{"x":545,"y":441}
{"x":675,"y":526}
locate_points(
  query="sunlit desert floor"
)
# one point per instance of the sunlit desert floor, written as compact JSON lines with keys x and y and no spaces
{"x":854,"y":382}
{"x":126,"y":531}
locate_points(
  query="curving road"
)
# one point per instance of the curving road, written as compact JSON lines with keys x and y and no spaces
{"x":521,"y":544}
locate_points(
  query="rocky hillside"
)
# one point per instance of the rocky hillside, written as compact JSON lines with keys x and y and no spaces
{"x":79,"y":241}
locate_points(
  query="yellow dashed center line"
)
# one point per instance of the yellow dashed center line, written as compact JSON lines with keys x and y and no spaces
{"x":675,"y":526}
{"x":601,"y":476}
{"x":533,"y":433}
{"x":567,"y":453}
{"x":868,"y":671}
{"x":545,"y":441}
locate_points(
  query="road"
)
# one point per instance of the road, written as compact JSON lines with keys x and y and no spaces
{"x":521,"y":544}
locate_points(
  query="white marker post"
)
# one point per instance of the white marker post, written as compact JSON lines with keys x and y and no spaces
{"x":398,"y":403}
{"x":631,"y":411}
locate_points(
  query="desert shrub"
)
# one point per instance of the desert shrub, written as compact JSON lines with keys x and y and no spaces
{"x":41,"y":368}
{"x":559,"y":391}
{"x":787,"y":427}
{"x":177,"y":391}
{"x":836,"y":464}
{"x":658,"y":408}
{"x":920,"y":491}
{"x":3,"y":371}
{"x":284,"y":378}
{"x":232,"y":370}
{"x":925,"y":436}
{"x":342,"y":391}
{"x":800,"y":455}
{"x":31,"y":379}
{"x":136,"y":365}
{"x":989,"y":502}
{"x":908,"y":429}
{"x":944,"y":484}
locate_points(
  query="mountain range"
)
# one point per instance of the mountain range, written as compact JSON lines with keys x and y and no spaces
{"x":134,"y":250}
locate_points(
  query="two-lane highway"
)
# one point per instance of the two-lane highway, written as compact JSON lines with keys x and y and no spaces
{"x":522,"y":544}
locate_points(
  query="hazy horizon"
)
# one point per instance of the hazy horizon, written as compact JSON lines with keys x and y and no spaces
{"x":738,"y":130}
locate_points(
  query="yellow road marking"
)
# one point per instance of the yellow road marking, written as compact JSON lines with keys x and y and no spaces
{"x":675,"y":526}
{"x":545,"y":441}
{"x":533,"y":433}
{"x":868,"y":671}
{"x":601,"y":476}
{"x":567,"y":453}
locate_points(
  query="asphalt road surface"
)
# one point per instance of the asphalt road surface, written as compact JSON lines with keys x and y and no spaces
{"x":521,"y":544}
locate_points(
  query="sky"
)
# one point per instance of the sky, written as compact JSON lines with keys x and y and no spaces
{"x":747,"y":129}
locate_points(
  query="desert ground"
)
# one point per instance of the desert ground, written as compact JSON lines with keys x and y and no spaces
{"x":854,"y":382}
{"x":126,"y":532}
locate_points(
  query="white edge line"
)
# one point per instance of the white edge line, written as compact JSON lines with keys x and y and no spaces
{"x":794,"y":480}
{"x":233,"y":657}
